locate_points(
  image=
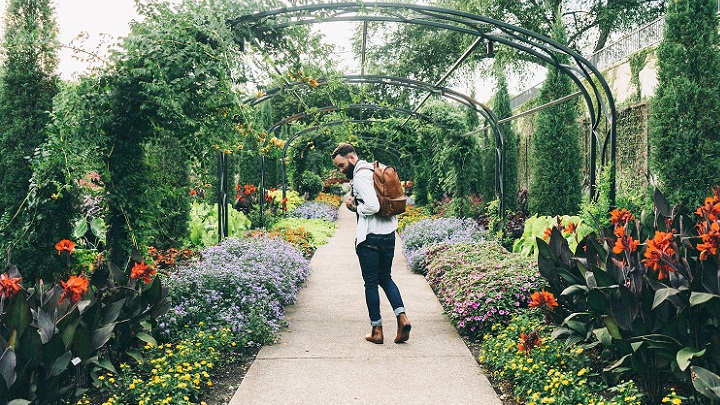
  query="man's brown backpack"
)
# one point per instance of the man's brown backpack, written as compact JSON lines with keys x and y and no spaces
{"x":389,"y":191}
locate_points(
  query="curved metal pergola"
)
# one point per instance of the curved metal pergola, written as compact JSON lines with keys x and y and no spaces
{"x":315,"y":128}
{"x":445,"y":92}
{"x":544,"y":49}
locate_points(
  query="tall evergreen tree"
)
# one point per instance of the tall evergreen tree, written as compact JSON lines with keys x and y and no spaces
{"x":27,"y":87}
{"x":502,"y":110}
{"x":555,"y":187}
{"x":684,"y":135}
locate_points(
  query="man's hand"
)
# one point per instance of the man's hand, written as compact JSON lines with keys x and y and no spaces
{"x":350,"y":204}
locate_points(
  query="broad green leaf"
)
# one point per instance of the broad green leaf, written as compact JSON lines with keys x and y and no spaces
{"x":135,"y":354}
{"x":603,"y":336}
{"x":80,"y":228}
{"x":574,"y":289}
{"x":106,"y":364}
{"x":101,"y":336}
{"x":697,"y":298}
{"x":685,"y":355}
{"x":705,"y":382}
{"x":146,"y":338}
{"x":612,"y":327}
{"x":18,"y":316}
{"x":60,"y":364}
{"x":19,"y":402}
{"x":97,"y":226}
{"x":46,"y":326}
{"x":662,"y":294}
{"x":7,"y":366}
{"x":617,"y":363}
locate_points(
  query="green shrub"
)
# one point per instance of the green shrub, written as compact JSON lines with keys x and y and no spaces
{"x":311,"y":184}
{"x":573,"y":230}
{"x":203,"y":224}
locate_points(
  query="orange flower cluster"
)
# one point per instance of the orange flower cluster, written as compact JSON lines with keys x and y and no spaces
{"x":65,"y":246}
{"x":620,"y":217}
{"x":568,"y":228}
{"x":659,"y":254}
{"x":543,"y":299}
{"x":170,"y":257}
{"x":246,"y":189}
{"x":74,"y":288}
{"x":624,"y":242}
{"x":710,"y":236}
{"x":528,"y":342}
{"x":709,"y":229}
{"x":142,"y":271}
{"x":9,"y":286}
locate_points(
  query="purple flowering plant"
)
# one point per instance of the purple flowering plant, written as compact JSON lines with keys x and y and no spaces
{"x":315,"y":210}
{"x":243,"y":284}
{"x":423,"y":234}
{"x":480,"y":284}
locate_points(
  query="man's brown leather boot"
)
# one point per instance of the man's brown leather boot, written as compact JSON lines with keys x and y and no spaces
{"x":403,"y":331}
{"x":376,"y":336}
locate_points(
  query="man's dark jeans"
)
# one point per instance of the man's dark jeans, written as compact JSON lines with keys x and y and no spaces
{"x":376,"y":255}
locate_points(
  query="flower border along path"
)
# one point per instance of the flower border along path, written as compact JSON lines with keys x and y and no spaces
{"x":323,"y":358}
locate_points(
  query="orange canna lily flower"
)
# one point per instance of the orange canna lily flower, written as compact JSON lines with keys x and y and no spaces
{"x":543,"y":299}
{"x":571,"y":227}
{"x":710,"y":240}
{"x":620,"y":217}
{"x":624,"y":242}
{"x":74,"y":288}
{"x":711,"y":208}
{"x":66,"y":246}
{"x":142,"y":271}
{"x":659,"y":254}
{"x":547,"y":233}
{"x":528,"y":342}
{"x":9,"y":286}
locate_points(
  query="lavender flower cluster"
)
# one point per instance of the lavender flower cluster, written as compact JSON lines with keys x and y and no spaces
{"x":315,"y":210}
{"x":421,"y":235}
{"x":243,"y":284}
{"x":480,"y":284}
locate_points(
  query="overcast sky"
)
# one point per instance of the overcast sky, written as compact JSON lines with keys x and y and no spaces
{"x":113,"y":17}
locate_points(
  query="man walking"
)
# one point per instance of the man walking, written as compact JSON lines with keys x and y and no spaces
{"x":374,"y":242}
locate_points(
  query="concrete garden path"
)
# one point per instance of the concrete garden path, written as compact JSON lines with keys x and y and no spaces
{"x":323,"y":358}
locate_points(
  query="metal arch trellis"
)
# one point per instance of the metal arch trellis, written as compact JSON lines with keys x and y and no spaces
{"x":314,"y":128}
{"x":445,"y":92}
{"x":539,"y":46}
{"x":315,"y":112}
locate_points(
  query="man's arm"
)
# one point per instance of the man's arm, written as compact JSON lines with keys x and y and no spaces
{"x":367,"y":201}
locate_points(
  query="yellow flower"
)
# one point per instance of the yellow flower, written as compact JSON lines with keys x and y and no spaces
{"x":676,"y":401}
{"x":582,"y":372}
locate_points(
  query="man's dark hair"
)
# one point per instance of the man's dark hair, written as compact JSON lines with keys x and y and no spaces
{"x":343,"y":150}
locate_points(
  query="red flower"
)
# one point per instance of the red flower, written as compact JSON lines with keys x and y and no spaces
{"x":528,"y":342}
{"x":66,"y":246}
{"x":624,"y":242}
{"x":9,"y":286}
{"x":143,"y":271}
{"x":659,"y":253}
{"x":74,"y":288}
{"x":249,"y":189}
{"x":571,"y":227}
{"x":547,"y":233}
{"x":711,"y":208}
{"x":620,"y":217}
{"x":193,"y":192}
{"x":543,"y":299}
{"x":710,"y":238}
